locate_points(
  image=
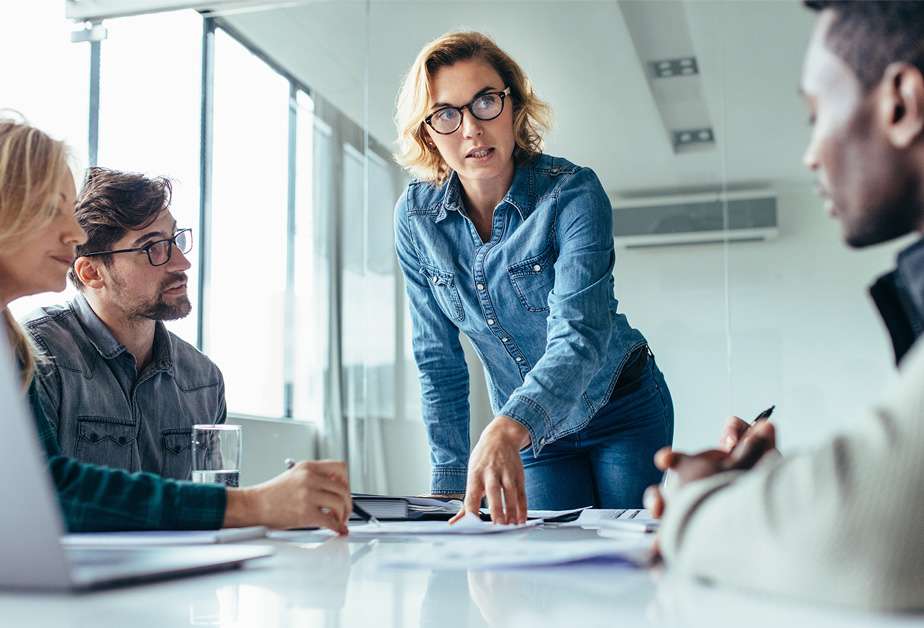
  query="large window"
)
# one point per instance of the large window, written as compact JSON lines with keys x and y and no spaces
{"x":245,"y":315}
{"x":46,"y":79}
{"x":299,"y":297}
{"x":368,"y":294}
{"x":150,"y":96}
{"x":309,"y":350}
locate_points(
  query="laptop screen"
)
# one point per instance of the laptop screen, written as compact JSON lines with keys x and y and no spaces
{"x":30,"y":520}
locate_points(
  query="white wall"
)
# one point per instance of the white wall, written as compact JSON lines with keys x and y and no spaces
{"x":804,"y":333}
{"x":407,"y":454}
{"x":267,"y":443}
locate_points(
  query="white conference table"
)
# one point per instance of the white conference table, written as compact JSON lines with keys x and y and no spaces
{"x":316,"y":580}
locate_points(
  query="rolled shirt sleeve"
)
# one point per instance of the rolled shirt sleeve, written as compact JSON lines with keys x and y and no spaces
{"x":579,"y":324}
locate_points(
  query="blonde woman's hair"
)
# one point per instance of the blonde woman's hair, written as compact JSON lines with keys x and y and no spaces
{"x":531,"y":116}
{"x":32,"y":168}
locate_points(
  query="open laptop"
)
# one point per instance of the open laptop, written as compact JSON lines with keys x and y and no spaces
{"x":31,"y":555}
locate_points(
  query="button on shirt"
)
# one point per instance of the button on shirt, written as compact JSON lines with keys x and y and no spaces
{"x":104,"y":411}
{"x":537,"y":302}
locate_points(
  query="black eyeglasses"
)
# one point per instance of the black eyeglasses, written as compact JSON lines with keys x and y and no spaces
{"x":159,"y":252}
{"x":485,"y":107}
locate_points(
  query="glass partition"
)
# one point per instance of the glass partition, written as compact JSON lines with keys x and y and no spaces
{"x":149,"y":116}
{"x":724,"y":259}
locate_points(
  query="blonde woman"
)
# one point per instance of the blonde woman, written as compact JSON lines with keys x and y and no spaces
{"x":38,"y":239}
{"x":514,"y":248}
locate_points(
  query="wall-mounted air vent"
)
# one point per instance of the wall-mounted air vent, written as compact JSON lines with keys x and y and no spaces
{"x":695,"y":219}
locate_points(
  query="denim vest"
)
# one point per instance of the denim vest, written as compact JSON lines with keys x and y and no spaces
{"x":104,"y":411}
{"x":536,"y":300}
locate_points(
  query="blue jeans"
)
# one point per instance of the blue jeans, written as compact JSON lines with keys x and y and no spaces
{"x":609,"y":463}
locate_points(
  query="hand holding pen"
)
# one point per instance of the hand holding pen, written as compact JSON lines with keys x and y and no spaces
{"x":357,"y":510}
{"x":736,"y":428}
{"x":743,"y":446}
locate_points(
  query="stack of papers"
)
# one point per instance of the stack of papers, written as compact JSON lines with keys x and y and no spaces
{"x":635,"y":550}
{"x":469,"y":524}
{"x":597,"y":518}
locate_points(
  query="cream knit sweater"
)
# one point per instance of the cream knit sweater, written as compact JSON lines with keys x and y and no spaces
{"x":843,"y":523}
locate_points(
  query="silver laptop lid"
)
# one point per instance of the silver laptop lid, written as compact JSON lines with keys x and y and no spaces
{"x":30,"y":518}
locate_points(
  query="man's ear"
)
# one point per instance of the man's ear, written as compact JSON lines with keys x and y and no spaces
{"x":87,"y":270}
{"x":902,"y":104}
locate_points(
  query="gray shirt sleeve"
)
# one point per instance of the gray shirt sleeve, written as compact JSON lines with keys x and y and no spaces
{"x":839,"y":524}
{"x":222,"y":415}
{"x":48,"y":390}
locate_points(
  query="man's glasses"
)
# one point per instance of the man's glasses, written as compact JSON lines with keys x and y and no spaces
{"x":484,"y":107}
{"x":159,"y":252}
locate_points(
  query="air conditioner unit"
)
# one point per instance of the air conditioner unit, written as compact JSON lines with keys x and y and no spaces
{"x":741,"y":216}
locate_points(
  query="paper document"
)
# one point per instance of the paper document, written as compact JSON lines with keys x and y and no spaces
{"x":432,"y":505}
{"x":162,"y":537}
{"x":556,"y":516}
{"x":483,"y":554}
{"x":594,"y":518}
{"x":615,"y":527}
{"x":470,"y":524}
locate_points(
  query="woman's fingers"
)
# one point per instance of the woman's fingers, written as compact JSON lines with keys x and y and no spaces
{"x":472,"y":503}
{"x":515,"y":498}
{"x":495,"y":500}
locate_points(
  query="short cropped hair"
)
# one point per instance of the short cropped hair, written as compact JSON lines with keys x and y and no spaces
{"x":113,"y":203}
{"x":868,"y":36}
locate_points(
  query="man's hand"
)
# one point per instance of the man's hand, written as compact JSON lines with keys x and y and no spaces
{"x":310,"y":494}
{"x":495,"y":470}
{"x":734,"y":429}
{"x":751,"y":446}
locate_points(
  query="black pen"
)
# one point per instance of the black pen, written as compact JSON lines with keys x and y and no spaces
{"x":763,"y":415}
{"x":359,"y":511}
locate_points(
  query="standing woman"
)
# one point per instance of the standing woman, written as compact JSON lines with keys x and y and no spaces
{"x":514,"y":248}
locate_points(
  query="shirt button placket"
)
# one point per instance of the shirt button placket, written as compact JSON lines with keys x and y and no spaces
{"x":486,"y":306}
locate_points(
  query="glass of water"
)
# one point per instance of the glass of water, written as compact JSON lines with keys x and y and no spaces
{"x":216,"y":451}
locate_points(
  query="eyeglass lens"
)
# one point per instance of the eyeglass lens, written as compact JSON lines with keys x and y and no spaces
{"x":486,"y":107}
{"x":160,"y":252}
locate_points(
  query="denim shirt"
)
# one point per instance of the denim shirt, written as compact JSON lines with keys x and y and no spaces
{"x":536,"y":300}
{"x":96,"y":499}
{"x":106,"y":413}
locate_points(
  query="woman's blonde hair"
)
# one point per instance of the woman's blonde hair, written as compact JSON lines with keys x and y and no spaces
{"x":32,"y":169}
{"x":531,"y":116}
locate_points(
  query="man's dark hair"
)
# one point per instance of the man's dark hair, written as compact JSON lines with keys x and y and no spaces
{"x":869,"y":35}
{"x":113,"y":203}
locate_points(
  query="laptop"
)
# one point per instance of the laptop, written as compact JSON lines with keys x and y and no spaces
{"x":31,"y":554}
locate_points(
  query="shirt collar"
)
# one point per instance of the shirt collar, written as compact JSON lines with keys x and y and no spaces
{"x":110,"y":348}
{"x":520,"y":194}
{"x":911,"y":270}
{"x":97,"y":332}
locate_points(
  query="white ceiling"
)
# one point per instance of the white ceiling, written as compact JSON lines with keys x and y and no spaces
{"x":581,"y":59}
